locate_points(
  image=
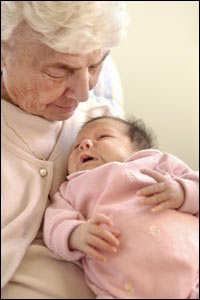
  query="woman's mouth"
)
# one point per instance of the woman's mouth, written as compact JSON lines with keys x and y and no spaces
{"x":67,"y":108}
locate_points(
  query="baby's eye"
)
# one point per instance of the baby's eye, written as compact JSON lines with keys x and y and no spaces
{"x":103,"y":136}
{"x":76,"y":146}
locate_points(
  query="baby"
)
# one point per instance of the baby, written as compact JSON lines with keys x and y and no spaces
{"x":133,"y":228}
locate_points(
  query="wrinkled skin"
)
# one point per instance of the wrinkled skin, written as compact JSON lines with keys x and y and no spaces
{"x":45,"y":82}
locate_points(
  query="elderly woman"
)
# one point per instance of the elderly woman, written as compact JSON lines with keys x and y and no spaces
{"x":52,"y":55}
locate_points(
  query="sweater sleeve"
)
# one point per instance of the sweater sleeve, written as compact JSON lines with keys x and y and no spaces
{"x":59,"y":221}
{"x":190,"y":183}
{"x":188,"y":178}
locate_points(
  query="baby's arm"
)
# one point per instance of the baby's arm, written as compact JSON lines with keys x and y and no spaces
{"x":167,"y":193}
{"x":178,"y":188}
{"x":90,"y":237}
{"x":59,"y":221}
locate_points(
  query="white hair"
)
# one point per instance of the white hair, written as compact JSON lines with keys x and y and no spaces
{"x":68,"y":26}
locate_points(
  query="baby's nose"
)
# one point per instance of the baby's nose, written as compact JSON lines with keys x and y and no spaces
{"x":85,"y":144}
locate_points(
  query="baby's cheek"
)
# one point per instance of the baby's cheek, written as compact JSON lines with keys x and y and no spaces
{"x":71,"y":166}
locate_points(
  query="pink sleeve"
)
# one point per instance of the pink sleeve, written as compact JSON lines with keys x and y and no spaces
{"x":59,"y":221}
{"x":188,"y":178}
{"x":190,"y":183}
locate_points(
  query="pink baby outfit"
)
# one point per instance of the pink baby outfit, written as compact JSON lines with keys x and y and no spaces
{"x":158,"y":253}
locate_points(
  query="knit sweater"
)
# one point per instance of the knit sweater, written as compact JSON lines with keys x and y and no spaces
{"x":28,"y":181}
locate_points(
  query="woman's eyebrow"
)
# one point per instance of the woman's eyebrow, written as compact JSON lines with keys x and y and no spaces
{"x":66,"y":66}
{"x":103,"y":58}
{"x":61,"y":65}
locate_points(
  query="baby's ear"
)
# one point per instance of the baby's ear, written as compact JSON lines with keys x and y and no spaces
{"x":2,"y":61}
{"x":4,"y":51}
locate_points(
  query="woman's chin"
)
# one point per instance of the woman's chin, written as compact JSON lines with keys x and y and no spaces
{"x":58,"y":117}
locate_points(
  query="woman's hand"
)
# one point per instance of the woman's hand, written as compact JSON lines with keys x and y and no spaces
{"x":92,"y":239}
{"x":167,"y":193}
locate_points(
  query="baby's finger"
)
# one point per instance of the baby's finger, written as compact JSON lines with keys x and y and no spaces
{"x":104,"y":234}
{"x":100,"y":244}
{"x":158,"y":198}
{"x":101,"y":219}
{"x":115,"y":233}
{"x":154,"y":174}
{"x":162,"y":206}
{"x":151,"y":189}
{"x":93,"y":253}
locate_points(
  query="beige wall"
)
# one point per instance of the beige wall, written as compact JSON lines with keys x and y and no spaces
{"x":158,"y":65}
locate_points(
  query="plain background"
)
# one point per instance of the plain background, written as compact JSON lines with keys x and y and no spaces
{"x":158,"y":63}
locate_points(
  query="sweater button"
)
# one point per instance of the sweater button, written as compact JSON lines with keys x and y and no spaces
{"x":43,"y":172}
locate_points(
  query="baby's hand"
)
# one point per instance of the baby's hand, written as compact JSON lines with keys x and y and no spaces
{"x":91,"y":237}
{"x":167,"y":193}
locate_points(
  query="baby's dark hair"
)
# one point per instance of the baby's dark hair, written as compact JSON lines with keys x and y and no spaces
{"x":143,"y":137}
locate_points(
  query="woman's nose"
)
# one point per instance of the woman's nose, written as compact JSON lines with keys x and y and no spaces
{"x":79,"y":85}
{"x":85,"y":144}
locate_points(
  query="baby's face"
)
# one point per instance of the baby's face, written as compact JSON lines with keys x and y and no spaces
{"x":98,"y":143}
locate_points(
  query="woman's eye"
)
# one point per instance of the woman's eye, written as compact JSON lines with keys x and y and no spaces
{"x":93,"y":69}
{"x":55,"y":75}
{"x":58,"y":73}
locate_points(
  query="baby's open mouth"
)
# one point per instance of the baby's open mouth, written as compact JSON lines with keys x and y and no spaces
{"x":85,"y":158}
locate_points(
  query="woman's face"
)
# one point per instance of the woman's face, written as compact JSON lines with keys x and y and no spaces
{"x":48,"y":83}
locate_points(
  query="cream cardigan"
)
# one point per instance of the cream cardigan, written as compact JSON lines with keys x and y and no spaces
{"x":28,"y":181}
